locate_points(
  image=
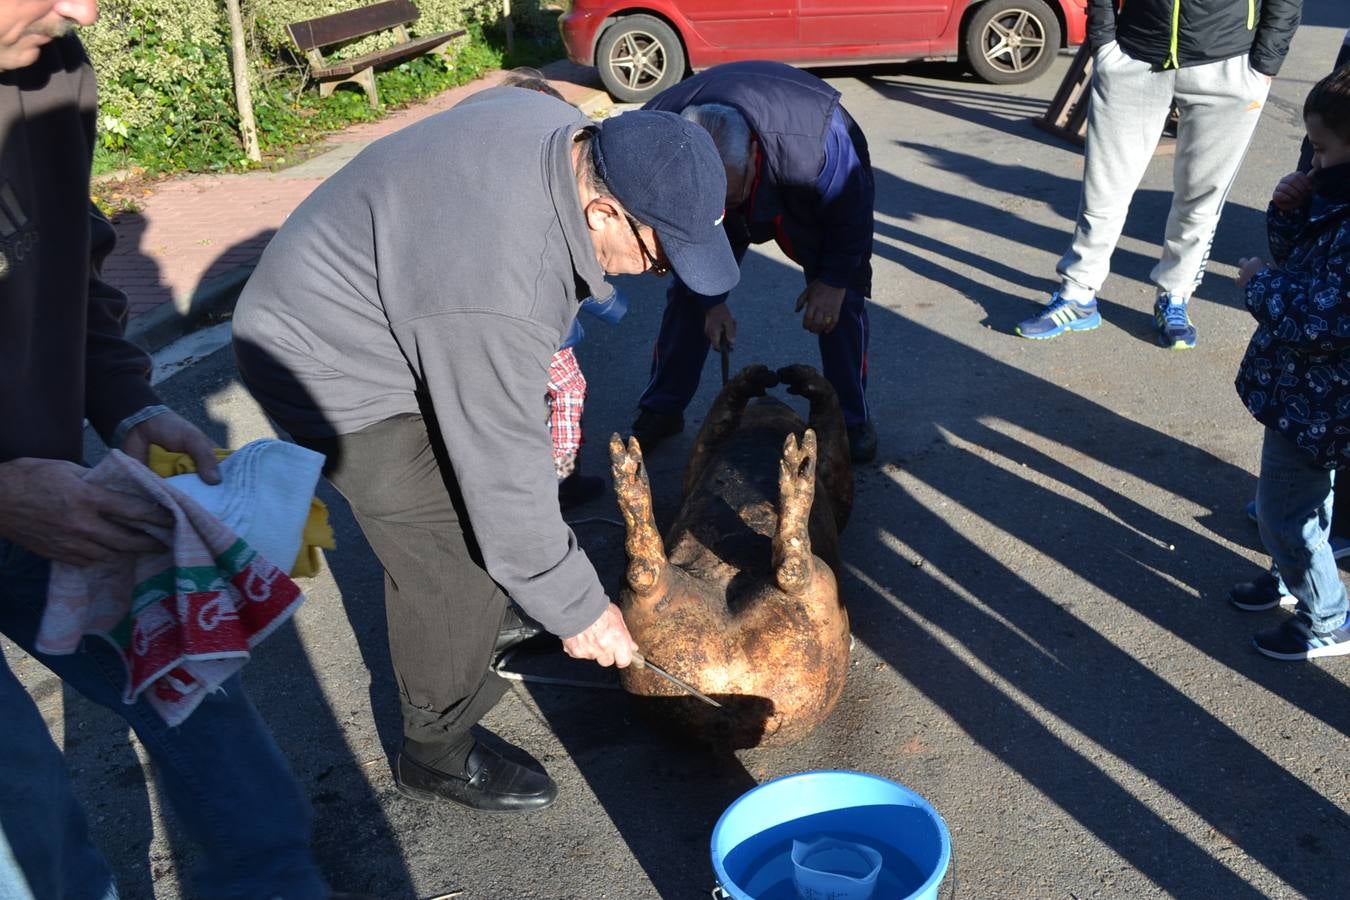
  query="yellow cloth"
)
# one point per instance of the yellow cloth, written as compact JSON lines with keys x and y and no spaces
{"x":317,"y":534}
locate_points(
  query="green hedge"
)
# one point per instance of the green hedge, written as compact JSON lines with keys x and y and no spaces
{"x":166,"y":94}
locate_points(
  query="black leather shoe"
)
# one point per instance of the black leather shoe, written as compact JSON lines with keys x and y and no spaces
{"x":490,"y":783}
{"x":862,"y":442}
{"x":577,"y":489}
{"x":652,"y":427}
{"x":516,"y":629}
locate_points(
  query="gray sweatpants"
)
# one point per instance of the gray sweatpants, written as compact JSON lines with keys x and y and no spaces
{"x":1220,"y":104}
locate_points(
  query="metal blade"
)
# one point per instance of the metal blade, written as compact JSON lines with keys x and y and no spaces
{"x":640,"y":661}
{"x":725,"y":349}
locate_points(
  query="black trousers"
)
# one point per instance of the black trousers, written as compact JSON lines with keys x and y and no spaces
{"x":442,"y":607}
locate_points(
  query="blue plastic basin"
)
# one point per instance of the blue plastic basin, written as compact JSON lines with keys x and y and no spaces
{"x":752,"y":841}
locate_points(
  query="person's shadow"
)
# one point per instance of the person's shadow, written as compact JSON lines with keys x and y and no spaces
{"x":330,"y":761}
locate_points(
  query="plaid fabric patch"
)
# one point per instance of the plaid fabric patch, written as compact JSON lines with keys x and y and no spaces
{"x":566,"y":398}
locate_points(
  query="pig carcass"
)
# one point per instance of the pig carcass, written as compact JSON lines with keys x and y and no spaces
{"x":740,"y":599}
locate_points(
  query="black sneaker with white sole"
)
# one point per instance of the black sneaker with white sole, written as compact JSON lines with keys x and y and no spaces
{"x":1263,"y":592}
{"x":1294,"y":640}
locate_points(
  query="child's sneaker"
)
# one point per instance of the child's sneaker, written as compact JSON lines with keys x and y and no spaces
{"x":1295,"y":640}
{"x":1263,"y":592}
{"x":1060,"y":315}
{"x":1175,"y":330}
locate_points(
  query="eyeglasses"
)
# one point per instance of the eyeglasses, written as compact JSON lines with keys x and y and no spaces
{"x":659,"y":267}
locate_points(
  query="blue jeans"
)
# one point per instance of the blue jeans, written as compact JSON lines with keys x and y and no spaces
{"x":682,"y":348}
{"x":1293,"y":509}
{"x":227,"y":781}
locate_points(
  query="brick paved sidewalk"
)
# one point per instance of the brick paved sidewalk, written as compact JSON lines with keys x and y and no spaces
{"x":184,"y":256}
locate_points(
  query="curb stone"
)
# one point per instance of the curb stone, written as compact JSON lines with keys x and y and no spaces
{"x":212,"y":302}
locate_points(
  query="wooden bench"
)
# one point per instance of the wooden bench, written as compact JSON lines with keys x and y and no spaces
{"x":312,"y":35}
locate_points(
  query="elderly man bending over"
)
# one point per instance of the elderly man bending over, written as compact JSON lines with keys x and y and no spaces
{"x":402,"y":322}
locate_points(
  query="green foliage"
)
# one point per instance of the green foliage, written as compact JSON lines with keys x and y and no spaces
{"x":166,"y":91}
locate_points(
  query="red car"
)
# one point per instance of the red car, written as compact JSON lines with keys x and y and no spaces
{"x":642,"y":47}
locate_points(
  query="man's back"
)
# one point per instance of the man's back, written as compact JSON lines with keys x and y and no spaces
{"x":415,"y":227}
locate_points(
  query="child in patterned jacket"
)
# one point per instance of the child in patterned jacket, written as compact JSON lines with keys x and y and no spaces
{"x":1295,"y":380}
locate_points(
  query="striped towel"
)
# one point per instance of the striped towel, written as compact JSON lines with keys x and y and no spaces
{"x":183,"y":619}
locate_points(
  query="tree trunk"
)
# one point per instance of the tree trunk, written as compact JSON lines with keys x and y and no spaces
{"x":509,"y":26}
{"x":243,"y":97}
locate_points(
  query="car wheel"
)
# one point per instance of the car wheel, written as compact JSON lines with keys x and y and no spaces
{"x":638,"y":58}
{"x":1012,"y":41}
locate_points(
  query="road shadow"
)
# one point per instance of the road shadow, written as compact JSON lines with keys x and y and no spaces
{"x":1035,"y":208}
{"x":1008,"y":447}
{"x":1008,"y":111}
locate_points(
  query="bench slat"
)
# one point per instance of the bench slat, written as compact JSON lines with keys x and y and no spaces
{"x":312,"y":34}
{"x":379,"y":57}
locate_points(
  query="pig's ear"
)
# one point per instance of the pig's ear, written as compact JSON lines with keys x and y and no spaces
{"x":793,"y":561}
{"x":646,"y":552}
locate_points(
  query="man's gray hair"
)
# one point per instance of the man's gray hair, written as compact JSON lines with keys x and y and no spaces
{"x":587,"y":170}
{"x":729,"y":130}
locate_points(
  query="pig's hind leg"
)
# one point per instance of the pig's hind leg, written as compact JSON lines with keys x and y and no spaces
{"x":646,"y":552}
{"x":793,"y":562}
{"x":827,"y":419}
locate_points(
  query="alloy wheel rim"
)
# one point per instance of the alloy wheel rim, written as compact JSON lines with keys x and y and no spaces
{"x":638,"y":60}
{"x":1014,"y":41}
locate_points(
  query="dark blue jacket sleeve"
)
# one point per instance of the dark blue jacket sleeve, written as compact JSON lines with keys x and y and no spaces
{"x":846,"y":193}
{"x":1307,"y":308}
{"x":1282,"y":227}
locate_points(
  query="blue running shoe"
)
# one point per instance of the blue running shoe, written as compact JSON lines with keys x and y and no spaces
{"x":1061,"y":315}
{"x":1175,"y":330}
{"x":1293,"y":639}
{"x":1251,"y":511}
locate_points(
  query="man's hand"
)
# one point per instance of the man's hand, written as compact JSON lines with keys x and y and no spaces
{"x":48,"y":507}
{"x":717,"y":322}
{"x":1247,"y":268}
{"x":822,"y":303}
{"x":172,"y":432}
{"x":1292,"y":192}
{"x":607,"y":641}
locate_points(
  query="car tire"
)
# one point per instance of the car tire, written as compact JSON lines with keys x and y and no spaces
{"x":639,"y":57}
{"x":1012,"y":41}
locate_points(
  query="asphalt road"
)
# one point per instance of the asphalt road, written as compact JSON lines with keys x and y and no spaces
{"x":1036,"y":571}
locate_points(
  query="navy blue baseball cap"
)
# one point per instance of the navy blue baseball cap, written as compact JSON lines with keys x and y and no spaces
{"x":666,"y":172}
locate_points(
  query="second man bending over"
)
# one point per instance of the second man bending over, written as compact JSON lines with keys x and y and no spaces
{"x":798,"y":173}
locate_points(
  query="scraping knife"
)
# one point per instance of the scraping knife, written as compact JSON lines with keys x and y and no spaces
{"x":725,"y":349}
{"x":641,"y":662}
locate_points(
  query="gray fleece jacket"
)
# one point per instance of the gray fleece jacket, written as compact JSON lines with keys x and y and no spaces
{"x":443,"y":265}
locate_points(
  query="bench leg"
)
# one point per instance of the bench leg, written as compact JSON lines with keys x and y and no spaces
{"x":365,"y":79}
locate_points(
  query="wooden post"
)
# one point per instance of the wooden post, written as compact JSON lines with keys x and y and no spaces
{"x":248,"y":129}
{"x":509,"y":26}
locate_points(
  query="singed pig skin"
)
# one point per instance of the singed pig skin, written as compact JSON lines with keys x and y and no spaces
{"x":740,"y":599}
